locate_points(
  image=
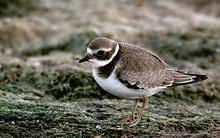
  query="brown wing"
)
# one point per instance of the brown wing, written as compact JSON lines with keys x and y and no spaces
{"x":181,"y":78}
{"x":142,"y":69}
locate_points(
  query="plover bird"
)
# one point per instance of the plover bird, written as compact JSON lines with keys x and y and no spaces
{"x":132,"y":72}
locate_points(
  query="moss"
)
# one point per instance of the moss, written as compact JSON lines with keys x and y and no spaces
{"x":83,"y":119}
{"x":16,"y":7}
{"x":16,"y":89}
{"x":187,"y":111}
{"x":75,"y":43}
{"x":73,"y":85}
{"x":66,"y":85}
{"x":17,"y":79}
{"x":200,"y":48}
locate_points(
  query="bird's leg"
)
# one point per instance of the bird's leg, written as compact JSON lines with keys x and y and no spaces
{"x":131,"y":118}
{"x":145,"y":103}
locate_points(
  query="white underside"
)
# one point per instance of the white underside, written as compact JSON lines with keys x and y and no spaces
{"x":115,"y":87}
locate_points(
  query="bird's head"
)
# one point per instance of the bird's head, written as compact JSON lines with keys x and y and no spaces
{"x":100,"y":52}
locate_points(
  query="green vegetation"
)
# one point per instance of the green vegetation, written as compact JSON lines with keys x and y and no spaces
{"x":73,"y":85}
{"x":31,"y":103}
{"x":100,"y":118}
{"x":75,"y":43}
{"x":16,"y":7}
{"x":44,"y":92}
{"x":200,"y":47}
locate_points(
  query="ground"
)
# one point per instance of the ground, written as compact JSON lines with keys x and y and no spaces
{"x":45,"y":92}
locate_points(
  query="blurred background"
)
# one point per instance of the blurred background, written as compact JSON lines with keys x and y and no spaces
{"x":41,"y":42}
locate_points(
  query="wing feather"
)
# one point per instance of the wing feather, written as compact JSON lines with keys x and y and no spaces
{"x":142,"y":69}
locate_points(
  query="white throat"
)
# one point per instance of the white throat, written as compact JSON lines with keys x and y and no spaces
{"x":100,"y":63}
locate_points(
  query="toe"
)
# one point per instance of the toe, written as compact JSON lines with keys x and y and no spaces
{"x":128,"y":120}
{"x":134,"y":123}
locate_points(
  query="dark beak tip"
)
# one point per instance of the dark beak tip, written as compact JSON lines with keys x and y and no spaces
{"x":80,"y":61}
{"x":86,"y":58}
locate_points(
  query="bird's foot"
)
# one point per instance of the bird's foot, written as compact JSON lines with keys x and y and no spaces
{"x":130,"y":120}
{"x":134,"y":123}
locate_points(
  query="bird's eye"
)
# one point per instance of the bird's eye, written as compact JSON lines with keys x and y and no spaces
{"x":100,"y":52}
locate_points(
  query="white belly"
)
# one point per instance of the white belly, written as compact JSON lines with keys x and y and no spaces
{"x":115,"y":87}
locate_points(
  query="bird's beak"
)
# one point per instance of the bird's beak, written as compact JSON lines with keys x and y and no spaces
{"x":86,"y":58}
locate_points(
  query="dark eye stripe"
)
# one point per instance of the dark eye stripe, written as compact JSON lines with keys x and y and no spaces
{"x":100,"y":52}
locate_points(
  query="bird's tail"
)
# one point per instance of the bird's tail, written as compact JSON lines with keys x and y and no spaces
{"x":181,"y":78}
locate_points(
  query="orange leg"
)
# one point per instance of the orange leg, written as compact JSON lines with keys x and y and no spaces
{"x":130,"y":119}
{"x":145,"y":103}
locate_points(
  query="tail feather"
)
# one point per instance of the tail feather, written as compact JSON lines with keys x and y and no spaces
{"x":181,"y":78}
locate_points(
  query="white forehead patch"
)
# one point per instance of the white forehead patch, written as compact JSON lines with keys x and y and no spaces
{"x":100,"y":63}
{"x":91,"y":52}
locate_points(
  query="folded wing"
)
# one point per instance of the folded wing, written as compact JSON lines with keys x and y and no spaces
{"x":142,"y":69}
